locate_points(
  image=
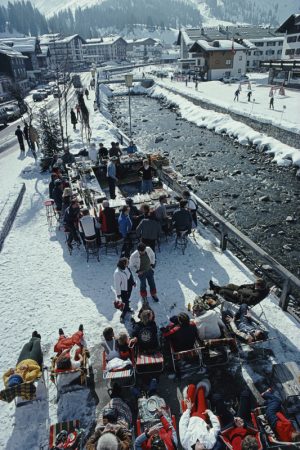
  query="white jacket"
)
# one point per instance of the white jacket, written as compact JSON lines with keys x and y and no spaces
{"x":135,"y":260}
{"x":121,"y":278}
{"x":209,"y":325}
{"x":194,"y":428}
{"x":88,"y":226}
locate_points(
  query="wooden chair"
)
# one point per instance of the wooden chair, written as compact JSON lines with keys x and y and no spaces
{"x":92,"y":248}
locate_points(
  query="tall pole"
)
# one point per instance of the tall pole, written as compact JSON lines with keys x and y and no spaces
{"x":129,"y":107}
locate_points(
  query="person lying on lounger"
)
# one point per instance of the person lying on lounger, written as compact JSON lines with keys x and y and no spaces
{"x":29,"y":363}
{"x":244,"y":325}
{"x":251,"y":294}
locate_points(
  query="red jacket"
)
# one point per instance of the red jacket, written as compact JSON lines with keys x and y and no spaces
{"x":64,"y":343}
{"x":165,"y":434}
{"x":234,"y":436}
{"x":284,"y":428}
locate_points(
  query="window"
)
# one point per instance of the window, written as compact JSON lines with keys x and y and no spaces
{"x":279,"y":52}
{"x":258,"y":53}
{"x":270,"y":52}
{"x":280,"y":43}
{"x":271,"y":44}
{"x":259,"y":44}
{"x":299,"y":37}
{"x":297,"y":51}
{"x":240,"y":71}
{"x":290,"y":51}
{"x":228,"y":62}
{"x":292,"y":39}
{"x":247,"y":63}
{"x":240,"y":58}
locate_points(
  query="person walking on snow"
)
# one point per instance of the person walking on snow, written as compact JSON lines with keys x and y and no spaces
{"x":87,"y":93}
{"x":19,"y":134}
{"x":73,"y":119}
{"x":236,"y":95}
{"x":271,"y":95}
{"x":249,"y":96}
{"x":77,"y":111}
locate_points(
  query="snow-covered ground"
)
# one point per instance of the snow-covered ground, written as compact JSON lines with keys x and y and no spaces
{"x":218,"y":93}
{"x":44,"y":288}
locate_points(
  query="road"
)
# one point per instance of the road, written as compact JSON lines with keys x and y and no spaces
{"x":7,"y":136}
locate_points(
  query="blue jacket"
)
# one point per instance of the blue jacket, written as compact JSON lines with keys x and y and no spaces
{"x":125,"y":224}
{"x":131,"y":149}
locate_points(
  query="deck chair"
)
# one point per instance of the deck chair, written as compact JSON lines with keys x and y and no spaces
{"x":82,"y":371}
{"x":72,"y":432}
{"x":124,"y":377}
{"x":148,"y":363}
{"x":194,"y":355}
{"x":216,"y":352}
{"x":270,"y":440}
{"x":92,"y":248}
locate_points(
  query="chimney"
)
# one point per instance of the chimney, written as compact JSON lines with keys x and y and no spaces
{"x":216,"y":44}
{"x":202,"y":31}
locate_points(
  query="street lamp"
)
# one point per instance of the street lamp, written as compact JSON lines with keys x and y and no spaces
{"x":128,"y":83}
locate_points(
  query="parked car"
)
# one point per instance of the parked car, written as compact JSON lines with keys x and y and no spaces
{"x":43,"y":91}
{"x":13,"y":112}
{"x":57,"y":93}
{"x":76,"y":81}
{"x":38,"y":96}
{"x":3,"y":117}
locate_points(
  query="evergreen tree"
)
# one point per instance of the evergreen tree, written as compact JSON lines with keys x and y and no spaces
{"x":50,"y":132}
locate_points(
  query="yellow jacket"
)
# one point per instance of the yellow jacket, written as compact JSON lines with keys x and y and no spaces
{"x":28,"y":369}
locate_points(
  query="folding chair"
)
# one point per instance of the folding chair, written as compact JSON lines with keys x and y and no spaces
{"x":82,"y":371}
{"x":72,"y":431}
{"x":216,"y":352}
{"x":124,"y":377}
{"x":181,"y":240}
{"x":187,"y":356}
{"x":270,"y":440}
{"x":92,"y":248}
{"x":50,"y":213}
{"x":148,"y":363}
{"x":111,"y":242}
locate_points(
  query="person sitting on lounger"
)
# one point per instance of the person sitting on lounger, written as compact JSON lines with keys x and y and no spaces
{"x":244,"y":325}
{"x":145,"y":333}
{"x":113,"y":428}
{"x":281,"y":425}
{"x":67,"y":368}
{"x":238,"y":432}
{"x":109,"y":344}
{"x":64,"y":342}
{"x":194,"y":430}
{"x":29,"y":364}
{"x":208,"y":321}
{"x":182,"y":333}
{"x":251,"y":294}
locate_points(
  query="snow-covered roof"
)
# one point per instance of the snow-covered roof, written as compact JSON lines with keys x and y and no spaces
{"x":216,"y":46}
{"x":10,"y":52}
{"x":47,"y":38}
{"x":191,"y":35}
{"x":249,"y":44}
{"x":294,"y":19}
{"x":23,"y":45}
{"x":68,"y":39}
{"x":103,"y":41}
{"x":268,"y":39}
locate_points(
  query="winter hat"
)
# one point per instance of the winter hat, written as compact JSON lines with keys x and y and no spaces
{"x":67,"y":192}
{"x":108,"y":441}
{"x":14,"y":380}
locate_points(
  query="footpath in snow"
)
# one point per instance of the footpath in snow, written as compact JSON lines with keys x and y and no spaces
{"x":44,"y":288}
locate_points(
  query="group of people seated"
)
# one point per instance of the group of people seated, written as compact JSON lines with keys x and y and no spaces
{"x":201,"y":426}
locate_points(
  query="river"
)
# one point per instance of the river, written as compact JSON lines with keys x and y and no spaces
{"x":241,"y":183}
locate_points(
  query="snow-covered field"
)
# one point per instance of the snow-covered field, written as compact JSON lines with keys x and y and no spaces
{"x":44,"y":288}
{"x":220,"y":94}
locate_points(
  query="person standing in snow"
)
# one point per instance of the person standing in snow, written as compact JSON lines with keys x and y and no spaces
{"x":271,"y":95}
{"x":236,"y":95}
{"x":142,"y":261}
{"x":26,"y":133}
{"x":87,"y":93}
{"x":249,"y":93}
{"x":73,"y":119}
{"x":19,"y":134}
{"x":77,"y":111}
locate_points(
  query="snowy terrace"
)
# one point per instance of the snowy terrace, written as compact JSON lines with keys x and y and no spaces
{"x":44,"y":288}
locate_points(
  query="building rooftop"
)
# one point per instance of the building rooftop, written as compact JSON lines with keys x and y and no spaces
{"x":217,"y":45}
{"x":191,"y":35}
{"x":294,"y":19}
{"x":10,"y":52}
{"x":23,"y":44}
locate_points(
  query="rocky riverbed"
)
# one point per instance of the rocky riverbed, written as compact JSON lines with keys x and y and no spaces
{"x":241,"y":183}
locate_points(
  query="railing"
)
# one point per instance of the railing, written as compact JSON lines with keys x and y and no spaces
{"x":228,"y":232}
{"x":11,"y":216}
